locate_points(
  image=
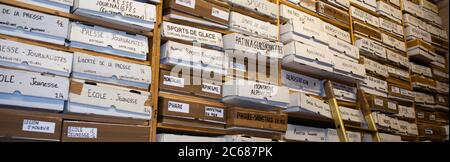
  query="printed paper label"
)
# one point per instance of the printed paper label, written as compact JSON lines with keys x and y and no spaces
{"x":214,"y":112}
{"x":178,"y":107}
{"x":38,"y":126}
{"x":220,"y":14}
{"x":173,"y":81}
{"x":81,"y":132}
{"x":211,"y":88}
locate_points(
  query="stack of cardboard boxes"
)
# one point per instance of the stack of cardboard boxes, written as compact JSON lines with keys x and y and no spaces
{"x":73,"y":80}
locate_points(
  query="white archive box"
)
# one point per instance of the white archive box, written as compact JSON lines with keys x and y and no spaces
{"x":442,"y":87}
{"x":301,"y":83}
{"x":242,"y":92}
{"x":413,"y":8}
{"x":304,"y":133}
{"x":393,"y":42}
{"x":33,"y":25}
{"x":397,"y":58}
{"x":370,"y":48}
{"x":440,"y":74}
{"x":398,"y":73}
{"x":354,"y":136}
{"x":336,"y":32}
{"x":35,"y":58}
{"x":432,"y":17}
{"x":414,"y":21}
{"x":344,"y":92}
{"x":403,"y":125}
{"x":367,"y":4}
{"x":375,"y":84}
{"x":406,"y":112}
{"x":263,"y":7}
{"x":291,"y":14}
{"x":163,"y":137}
{"x":389,"y":11}
{"x":412,"y":129}
{"x":252,"y":46}
{"x":394,"y":124}
{"x":429,"y":6}
{"x":242,"y":138}
{"x":343,"y":48}
{"x":102,"y":99}
{"x":395,"y":2}
{"x":420,"y":69}
{"x":301,"y":102}
{"x":364,"y":16}
{"x":108,"y":41}
{"x":129,"y":13}
{"x":390,"y":138}
{"x":375,"y":67}
{"x":444,"y":34}
{"x":419,"y":97}
{"x":345,"y":4}
{"x":391,"y":27}
{"x":308,"y":4}
{"x":314,"y":58}
{"x":421,"y":53}
{"x":178,"y":54}
{"x":107,"y":70}
{"x":433,"y":30}
{"x":251,"y":26}
{"x":59,"y":5}
{"x":191,"y":34}
{"x":348,"y":68}
{"x":314,"y":32}
{"x":350,"y":114}
{"x":412,"y":32}
{"x":33,"y":90}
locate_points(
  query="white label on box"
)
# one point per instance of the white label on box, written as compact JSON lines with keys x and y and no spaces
{"x":188,"y":54}
{"x":211,"y":88}
{"x":187,"y":33}
{"x":249,"y":44}
{"x":33,"y":84}
{"x":337,"y":32}
{"x":305,"y":30}
{"x":110,"y":68}
{"x":392,"y":106}
{"x":252,"y":26}
{"x":38,"y":126}
{"x":433,"y":30}
{"x":297,"y":81}
{"x":173,"y":81}
{"x":178,"y":107}
{"x":214,"y":112}
{"x":264,"y":7}
{"x":365,"y":17}
{"x":392,"y":42}
{"x":379,"y":102}
{"x":108,"y":96}
{"x":32,"y":21}
{"x":256,"y":90}
{"x":220,"y":13}
{"x":35,"y":56}
{"x":81,"y":132}
{"x":108,"y":38}
{"x":395,"y":89}
{"x":187,"y":3}
{"x":126,"y":8}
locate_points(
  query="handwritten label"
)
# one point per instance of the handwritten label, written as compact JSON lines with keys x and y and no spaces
{"x":220,"y":13}
{"x":178,"y":107}
{"x":187,"y":33}
{"x":211,"y":88}
{"x":214,"y":112}
{"x":81,"y":132}
{"x":392,"y":106}
{"x":252,"y":26}
{"x":379,"y":102}
{"x":264,"y":7}
{"x":38,"y":126}
{"x":187,"y":3}
{"x":126,"y":8}
{"x":337,"y":32}
{"x":252,"y":44}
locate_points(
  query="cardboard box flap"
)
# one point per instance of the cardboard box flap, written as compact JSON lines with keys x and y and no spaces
{"x":35,"y":58}
{"x":397,"y":58}
{"x":107,"y":96}
{"x":333,"y":12}
{"x":367,"y":4}
{"x":109,"y":39}
{"x":365,"y":17}
{"x":24,"y":83}
{"x":346,"y":66}
{"x":110,"y":69}
{"x":429,"y":6}
{"x":391,"y":27}
{"x":343,"y":47}
{"x":135,"y":12}
{"x":252,"y":26}
{"x":375,"y":67}
{"x":306,"y":30}
{"x":264,"y":7}
{"x":308,"y":52}
{"x":191,"y":34}
{"x":337,"y":32}
{"x":414,"y":21}
{"x":412,"y":32}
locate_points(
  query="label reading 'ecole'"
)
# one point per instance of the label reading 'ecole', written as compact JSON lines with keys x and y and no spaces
{"x":81,"y":132}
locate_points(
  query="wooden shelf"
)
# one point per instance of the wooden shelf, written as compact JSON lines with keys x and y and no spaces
{"x":359,"y":129}
{"x":191,"y":130}
{"x":364,"y":9}
{"x":218,"y":30}
{"x":315,"y":120}
{"x":246,"y":12}
{"x":326,"y":19}
{"x":103,"y":119}
{"x":190,"y":98}
{"x":70,"y":16}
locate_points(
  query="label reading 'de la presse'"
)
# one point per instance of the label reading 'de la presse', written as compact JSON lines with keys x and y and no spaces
{"x":38,"y":126}
{"x":81,"y":132}
{"x":214,"y":112}
{"x":178,"y":107}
